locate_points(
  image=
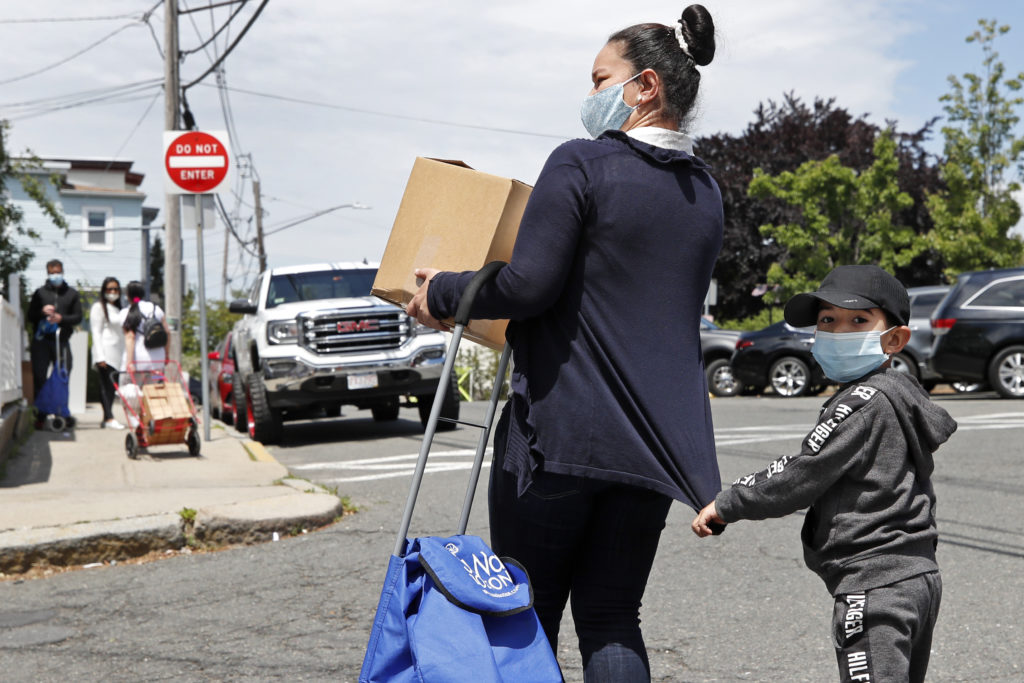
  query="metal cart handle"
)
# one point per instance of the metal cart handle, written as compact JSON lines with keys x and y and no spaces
{"x":484,"y":275}
{"x":488,"y":272}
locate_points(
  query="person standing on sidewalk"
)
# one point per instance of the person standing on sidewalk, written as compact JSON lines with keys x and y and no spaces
{"x":54,"y":307}
{"x":608,"y":418}
{"x":132,"y":320}
{"x":107,"y":345}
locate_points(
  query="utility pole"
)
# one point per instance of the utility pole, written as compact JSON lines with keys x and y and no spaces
{"x":172,"y":206}
{"x":259,"y":224}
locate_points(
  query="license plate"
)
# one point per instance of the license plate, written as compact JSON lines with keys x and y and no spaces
{"x":364,"y":381}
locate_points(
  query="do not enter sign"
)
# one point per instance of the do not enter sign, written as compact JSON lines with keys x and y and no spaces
{"x":196,"y":162}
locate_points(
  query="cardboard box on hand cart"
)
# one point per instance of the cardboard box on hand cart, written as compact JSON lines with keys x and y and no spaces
{"x":455,"y":218}
{"x":165,"y":401}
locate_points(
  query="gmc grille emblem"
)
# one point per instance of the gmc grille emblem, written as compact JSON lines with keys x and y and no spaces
{"x":345,"y":326}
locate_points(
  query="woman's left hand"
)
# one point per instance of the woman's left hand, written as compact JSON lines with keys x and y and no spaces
{"x":418,"y":307}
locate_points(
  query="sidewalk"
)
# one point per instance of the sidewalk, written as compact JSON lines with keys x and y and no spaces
{"x":74,"y":497}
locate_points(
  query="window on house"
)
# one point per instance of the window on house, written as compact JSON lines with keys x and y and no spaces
{"x":96,"y":226}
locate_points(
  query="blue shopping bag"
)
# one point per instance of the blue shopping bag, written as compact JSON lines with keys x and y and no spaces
{"x":451,"y":610}
{"x":52,"y":398}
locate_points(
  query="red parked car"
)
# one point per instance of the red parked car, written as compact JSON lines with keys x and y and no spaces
{"x":222,"y":371}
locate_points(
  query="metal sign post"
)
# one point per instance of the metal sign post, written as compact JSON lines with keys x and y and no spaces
{"x":197,"y":164}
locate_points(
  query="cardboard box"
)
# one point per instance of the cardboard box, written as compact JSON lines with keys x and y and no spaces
{"x":165,"y":401}
{"x":452,"y":218}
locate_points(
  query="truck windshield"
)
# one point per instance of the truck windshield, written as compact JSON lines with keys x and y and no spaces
{"x":326,"y":284}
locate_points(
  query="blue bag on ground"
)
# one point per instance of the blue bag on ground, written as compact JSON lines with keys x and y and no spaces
{"x":52,"y":398}
{"x":451,"y":610}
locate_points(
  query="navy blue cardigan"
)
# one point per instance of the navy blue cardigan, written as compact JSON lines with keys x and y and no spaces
{"x":604,"y":290}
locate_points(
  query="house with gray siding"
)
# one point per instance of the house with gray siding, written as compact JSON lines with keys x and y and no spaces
{"x":108,"y":226}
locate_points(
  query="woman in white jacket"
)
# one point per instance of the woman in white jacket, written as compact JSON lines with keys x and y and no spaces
{"x":107,"y":345}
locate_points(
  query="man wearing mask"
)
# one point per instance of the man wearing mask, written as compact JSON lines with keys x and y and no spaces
{"x":54,"y":306}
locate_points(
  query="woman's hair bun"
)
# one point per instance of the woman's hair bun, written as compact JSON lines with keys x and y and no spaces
{"x":699,"y":32}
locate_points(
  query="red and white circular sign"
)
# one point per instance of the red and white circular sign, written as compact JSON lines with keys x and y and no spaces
{"x":196,"y":162}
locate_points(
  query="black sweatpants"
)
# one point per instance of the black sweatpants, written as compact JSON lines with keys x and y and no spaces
{"x":885,"y":634}
{"x":108,"y":375}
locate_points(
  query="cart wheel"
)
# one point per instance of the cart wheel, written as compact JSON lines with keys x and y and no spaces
{"x":131,"y":445}
{"x":193,"y":442}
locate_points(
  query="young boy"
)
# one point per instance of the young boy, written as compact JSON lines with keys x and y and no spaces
{"x":864,"y":473}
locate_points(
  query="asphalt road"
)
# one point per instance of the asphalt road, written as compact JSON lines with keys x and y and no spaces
{"x":737,"y":607}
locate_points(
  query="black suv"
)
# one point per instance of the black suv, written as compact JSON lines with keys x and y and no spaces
{"x":979,"y":331}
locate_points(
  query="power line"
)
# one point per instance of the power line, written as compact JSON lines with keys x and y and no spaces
{"x":67,"y":59}
{"x":391,"y":115}
{"x":55,"y":20}
{"x":231,"y":47}
{"x":216,"y":33}
{"x":137,"y":124}
{"x":138,"y":93}
{"x":71,"y":97}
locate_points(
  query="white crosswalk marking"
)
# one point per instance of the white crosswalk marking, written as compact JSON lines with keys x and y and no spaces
{"x":370,"y":469}
{"x":394,"y":465}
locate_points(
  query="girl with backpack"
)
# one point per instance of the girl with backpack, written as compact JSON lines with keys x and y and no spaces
{"x":145,"y":330}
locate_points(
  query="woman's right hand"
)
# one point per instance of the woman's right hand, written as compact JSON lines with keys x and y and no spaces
{"x":102,"y":365}
{"x":418,"y":307}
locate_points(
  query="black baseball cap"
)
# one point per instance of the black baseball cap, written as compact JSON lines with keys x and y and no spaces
{"x":856,"y":287}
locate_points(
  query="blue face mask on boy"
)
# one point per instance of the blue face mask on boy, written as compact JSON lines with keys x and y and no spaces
{"x":847,"y":356}
{"x":605,"y":110}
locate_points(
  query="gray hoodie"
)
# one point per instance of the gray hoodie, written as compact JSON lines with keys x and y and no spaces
{"x":864,"y":471}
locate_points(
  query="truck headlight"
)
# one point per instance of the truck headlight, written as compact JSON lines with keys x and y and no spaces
{"x":283,"y":332}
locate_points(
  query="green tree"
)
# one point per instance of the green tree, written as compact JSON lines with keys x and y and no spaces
{"x":984,"y":160}
{"x":782,"y":135}
{"x":156,"y":267}
{"x":14,"y":255}
{"x":843,"y":217}
{"x":219,"y":321}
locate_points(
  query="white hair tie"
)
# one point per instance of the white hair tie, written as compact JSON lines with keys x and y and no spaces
{"x":682,"y":41}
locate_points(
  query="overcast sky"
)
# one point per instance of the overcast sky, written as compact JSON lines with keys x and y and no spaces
{"x":334,"y":100}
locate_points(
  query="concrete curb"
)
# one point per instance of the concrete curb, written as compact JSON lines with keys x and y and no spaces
{"x":243,"y":523}
{"x":240,"y":494}
{"x":88,"y":542}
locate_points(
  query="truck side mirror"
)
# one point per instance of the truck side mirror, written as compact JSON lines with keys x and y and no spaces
{"x":242,"y":306}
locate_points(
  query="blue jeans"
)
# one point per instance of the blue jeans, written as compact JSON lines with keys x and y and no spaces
{"x":589,"y":540}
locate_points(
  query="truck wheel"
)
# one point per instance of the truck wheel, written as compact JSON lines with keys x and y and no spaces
{"x":385,"y":412}
{"x":450,"y":409}
{"x":1006,"y":373}
{"x":238,"y":398}
{"x":263,"y":423}
{"x":721,"y":381}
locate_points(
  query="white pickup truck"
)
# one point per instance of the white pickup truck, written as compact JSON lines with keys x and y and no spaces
{"x":313,"y":339}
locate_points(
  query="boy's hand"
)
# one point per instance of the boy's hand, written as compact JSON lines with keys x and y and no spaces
{"x":706,"y":521}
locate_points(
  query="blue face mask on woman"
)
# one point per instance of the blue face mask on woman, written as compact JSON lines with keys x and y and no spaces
{"x":605,"y":110}
{"x":847,"y":356}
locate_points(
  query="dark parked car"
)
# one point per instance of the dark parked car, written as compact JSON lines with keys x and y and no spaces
{"x":221,"y":374}
{"x":914,"y":357}
{"x":979,"y":331}
{"x":717,"y":346}
{"x":778,"y":356}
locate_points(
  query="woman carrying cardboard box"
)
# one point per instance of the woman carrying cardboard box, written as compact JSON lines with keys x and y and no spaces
{"x":608,"y":418}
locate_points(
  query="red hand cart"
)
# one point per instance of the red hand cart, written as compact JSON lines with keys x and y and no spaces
{"x":157,"y":406}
